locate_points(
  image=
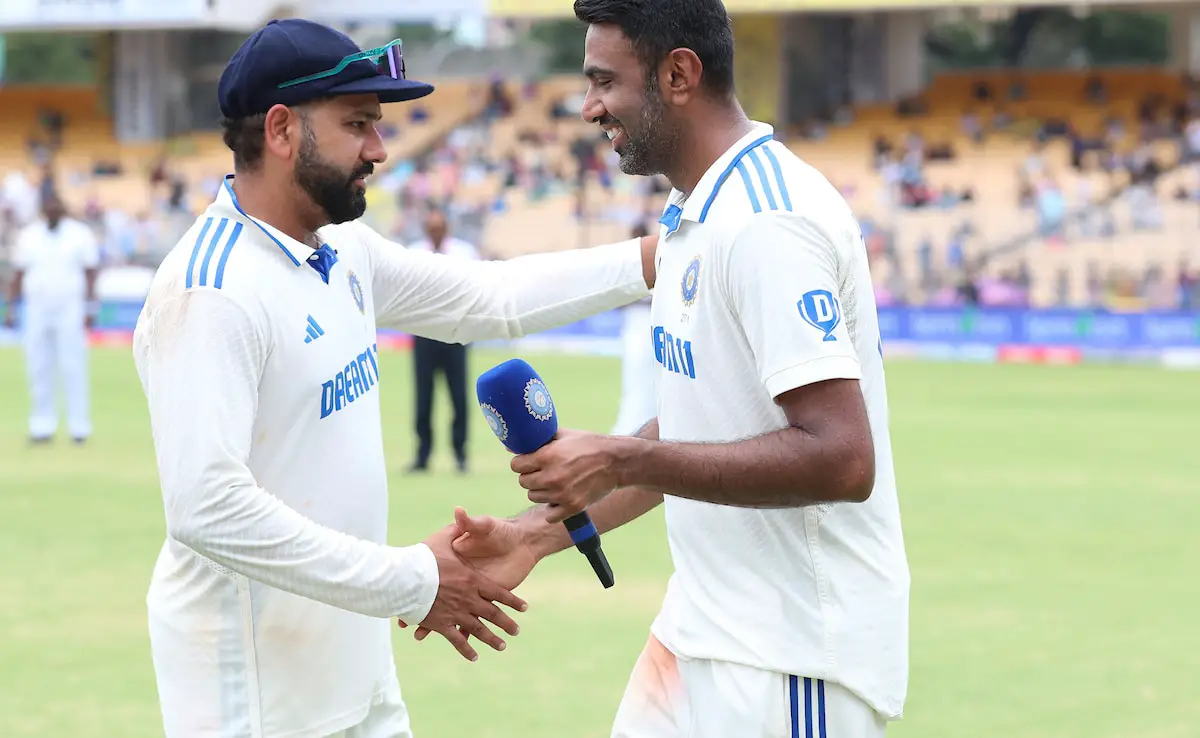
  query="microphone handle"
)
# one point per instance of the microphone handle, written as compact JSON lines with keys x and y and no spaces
{"x":587,"y":541}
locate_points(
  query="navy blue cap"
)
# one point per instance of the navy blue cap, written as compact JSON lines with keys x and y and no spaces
{"x":288,"y":49}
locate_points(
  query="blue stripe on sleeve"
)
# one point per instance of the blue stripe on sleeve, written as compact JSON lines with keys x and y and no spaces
{"x":783,"y":192}
{"x":741,"y":168}
{"x":712,"y":196}
{"x":233,"y":237}
{"x":212,"y":247}
{"x":762,"y":176}
{"x":196,"y":252}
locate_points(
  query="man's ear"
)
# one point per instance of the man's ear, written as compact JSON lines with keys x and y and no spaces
{"x":679,"y":76}
{"x":282,"y":132}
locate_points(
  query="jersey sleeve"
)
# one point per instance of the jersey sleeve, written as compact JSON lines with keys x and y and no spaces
{"x":88,"y":248}
{"x":201,"y":358}
{"x":460,"y":301}
{"x":22,"y":255}
{"x":782,"y":281}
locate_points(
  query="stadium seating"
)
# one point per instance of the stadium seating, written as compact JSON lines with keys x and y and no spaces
{"x":520,"y":222}
{"x":990,"y":171}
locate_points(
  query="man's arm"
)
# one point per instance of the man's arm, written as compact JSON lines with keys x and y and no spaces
{"x":200,"y":357}
{"x":20,"y":262}
{"x":14,"y":296}
{"x":622,"y":506}
{"x":781,"y":279}
{"x":90,"y":262}
{"x":825,"y":454}
{"x":459,"y":301}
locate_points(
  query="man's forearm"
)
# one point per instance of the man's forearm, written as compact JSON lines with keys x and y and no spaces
{"x":537,"y":292}
{"x":251,"y":532}
{"x":14,"y":288}
{"x":784,"y":468}
{"x":622,"y":506}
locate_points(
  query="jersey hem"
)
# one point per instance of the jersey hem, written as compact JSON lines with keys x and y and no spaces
{"x":812,"y":371}
{"x":887,"y":710}
{"x":344,"y":721}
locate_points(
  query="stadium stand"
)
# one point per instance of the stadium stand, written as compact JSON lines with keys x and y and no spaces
{"x":1039,"y":200}
{"x":1056,"y":188}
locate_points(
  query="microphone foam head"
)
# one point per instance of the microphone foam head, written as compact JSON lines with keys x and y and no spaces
{"x":517,"y":406}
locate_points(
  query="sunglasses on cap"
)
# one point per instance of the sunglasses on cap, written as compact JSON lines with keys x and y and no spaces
{"x":388,"y":59}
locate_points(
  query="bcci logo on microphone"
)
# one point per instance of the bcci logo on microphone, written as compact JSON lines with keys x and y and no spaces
{"x":537,"y":400}
{"x":494,"y":421}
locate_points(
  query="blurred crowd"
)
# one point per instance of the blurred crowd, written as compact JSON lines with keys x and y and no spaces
{"x":474,"y":181}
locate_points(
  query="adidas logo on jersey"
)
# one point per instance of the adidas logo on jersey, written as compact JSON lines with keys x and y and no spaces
{"x":314,"y":331}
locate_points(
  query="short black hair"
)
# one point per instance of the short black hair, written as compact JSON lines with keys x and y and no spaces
{"x":246,"y":138}
{"x":656,"y":27}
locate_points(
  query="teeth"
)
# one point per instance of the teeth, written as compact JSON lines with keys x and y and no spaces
{"x":612,"y":133}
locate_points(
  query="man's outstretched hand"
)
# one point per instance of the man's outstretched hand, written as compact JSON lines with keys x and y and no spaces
{"x":496,"y":548}
{"x":466,"y":597}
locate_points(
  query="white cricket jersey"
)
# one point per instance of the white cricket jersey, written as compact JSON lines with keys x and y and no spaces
{"x":451,"y":246}
{"x":53,"y":262}
{"x":268,"y":602}
{"x":762,"y":287}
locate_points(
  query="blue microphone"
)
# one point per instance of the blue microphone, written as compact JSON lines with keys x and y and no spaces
{"x":518,"y":409}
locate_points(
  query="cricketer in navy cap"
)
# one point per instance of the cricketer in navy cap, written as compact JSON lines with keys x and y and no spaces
{"x":294,"y":61}
{"x":299,"y":102}
{"x":257,"y":350}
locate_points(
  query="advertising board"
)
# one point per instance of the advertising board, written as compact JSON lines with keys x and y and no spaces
{"x":951,"y":334}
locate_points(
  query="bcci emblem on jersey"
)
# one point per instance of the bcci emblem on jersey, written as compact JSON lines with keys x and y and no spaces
{"x":691,"y":282}
{"x":494,"y":421}
{"x":356,"y":291}
{"x":537,"y":400}
{"x":821,"y":310}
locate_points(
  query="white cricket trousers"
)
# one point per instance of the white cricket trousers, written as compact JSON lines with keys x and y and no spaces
{"x":673,"y":697}
{"x":388,"y":717}
{"x":55,"y":343}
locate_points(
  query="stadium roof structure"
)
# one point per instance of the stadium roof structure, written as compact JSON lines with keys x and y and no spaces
{"x":234,"y":15}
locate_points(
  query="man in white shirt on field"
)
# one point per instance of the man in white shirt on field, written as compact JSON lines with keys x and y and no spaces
{"x":787,"y":614}
{"x":256,"y":350}
{"x":56,"y":260}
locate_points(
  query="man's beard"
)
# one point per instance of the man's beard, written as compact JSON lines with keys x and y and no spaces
{"x":651,"y":147}
{"x":331,"y":189}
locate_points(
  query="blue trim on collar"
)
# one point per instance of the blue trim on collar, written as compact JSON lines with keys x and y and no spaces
{"x":323,"y":260}
{"x":671,"y":217}
{"x":237,"y":206}
{"x":729,"y":170}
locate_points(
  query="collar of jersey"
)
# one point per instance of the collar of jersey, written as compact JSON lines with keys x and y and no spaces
{"x":695,"y":207}
{"x":294,"y":250}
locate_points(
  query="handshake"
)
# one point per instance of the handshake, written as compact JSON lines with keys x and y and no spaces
{"x":481,"y":559}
